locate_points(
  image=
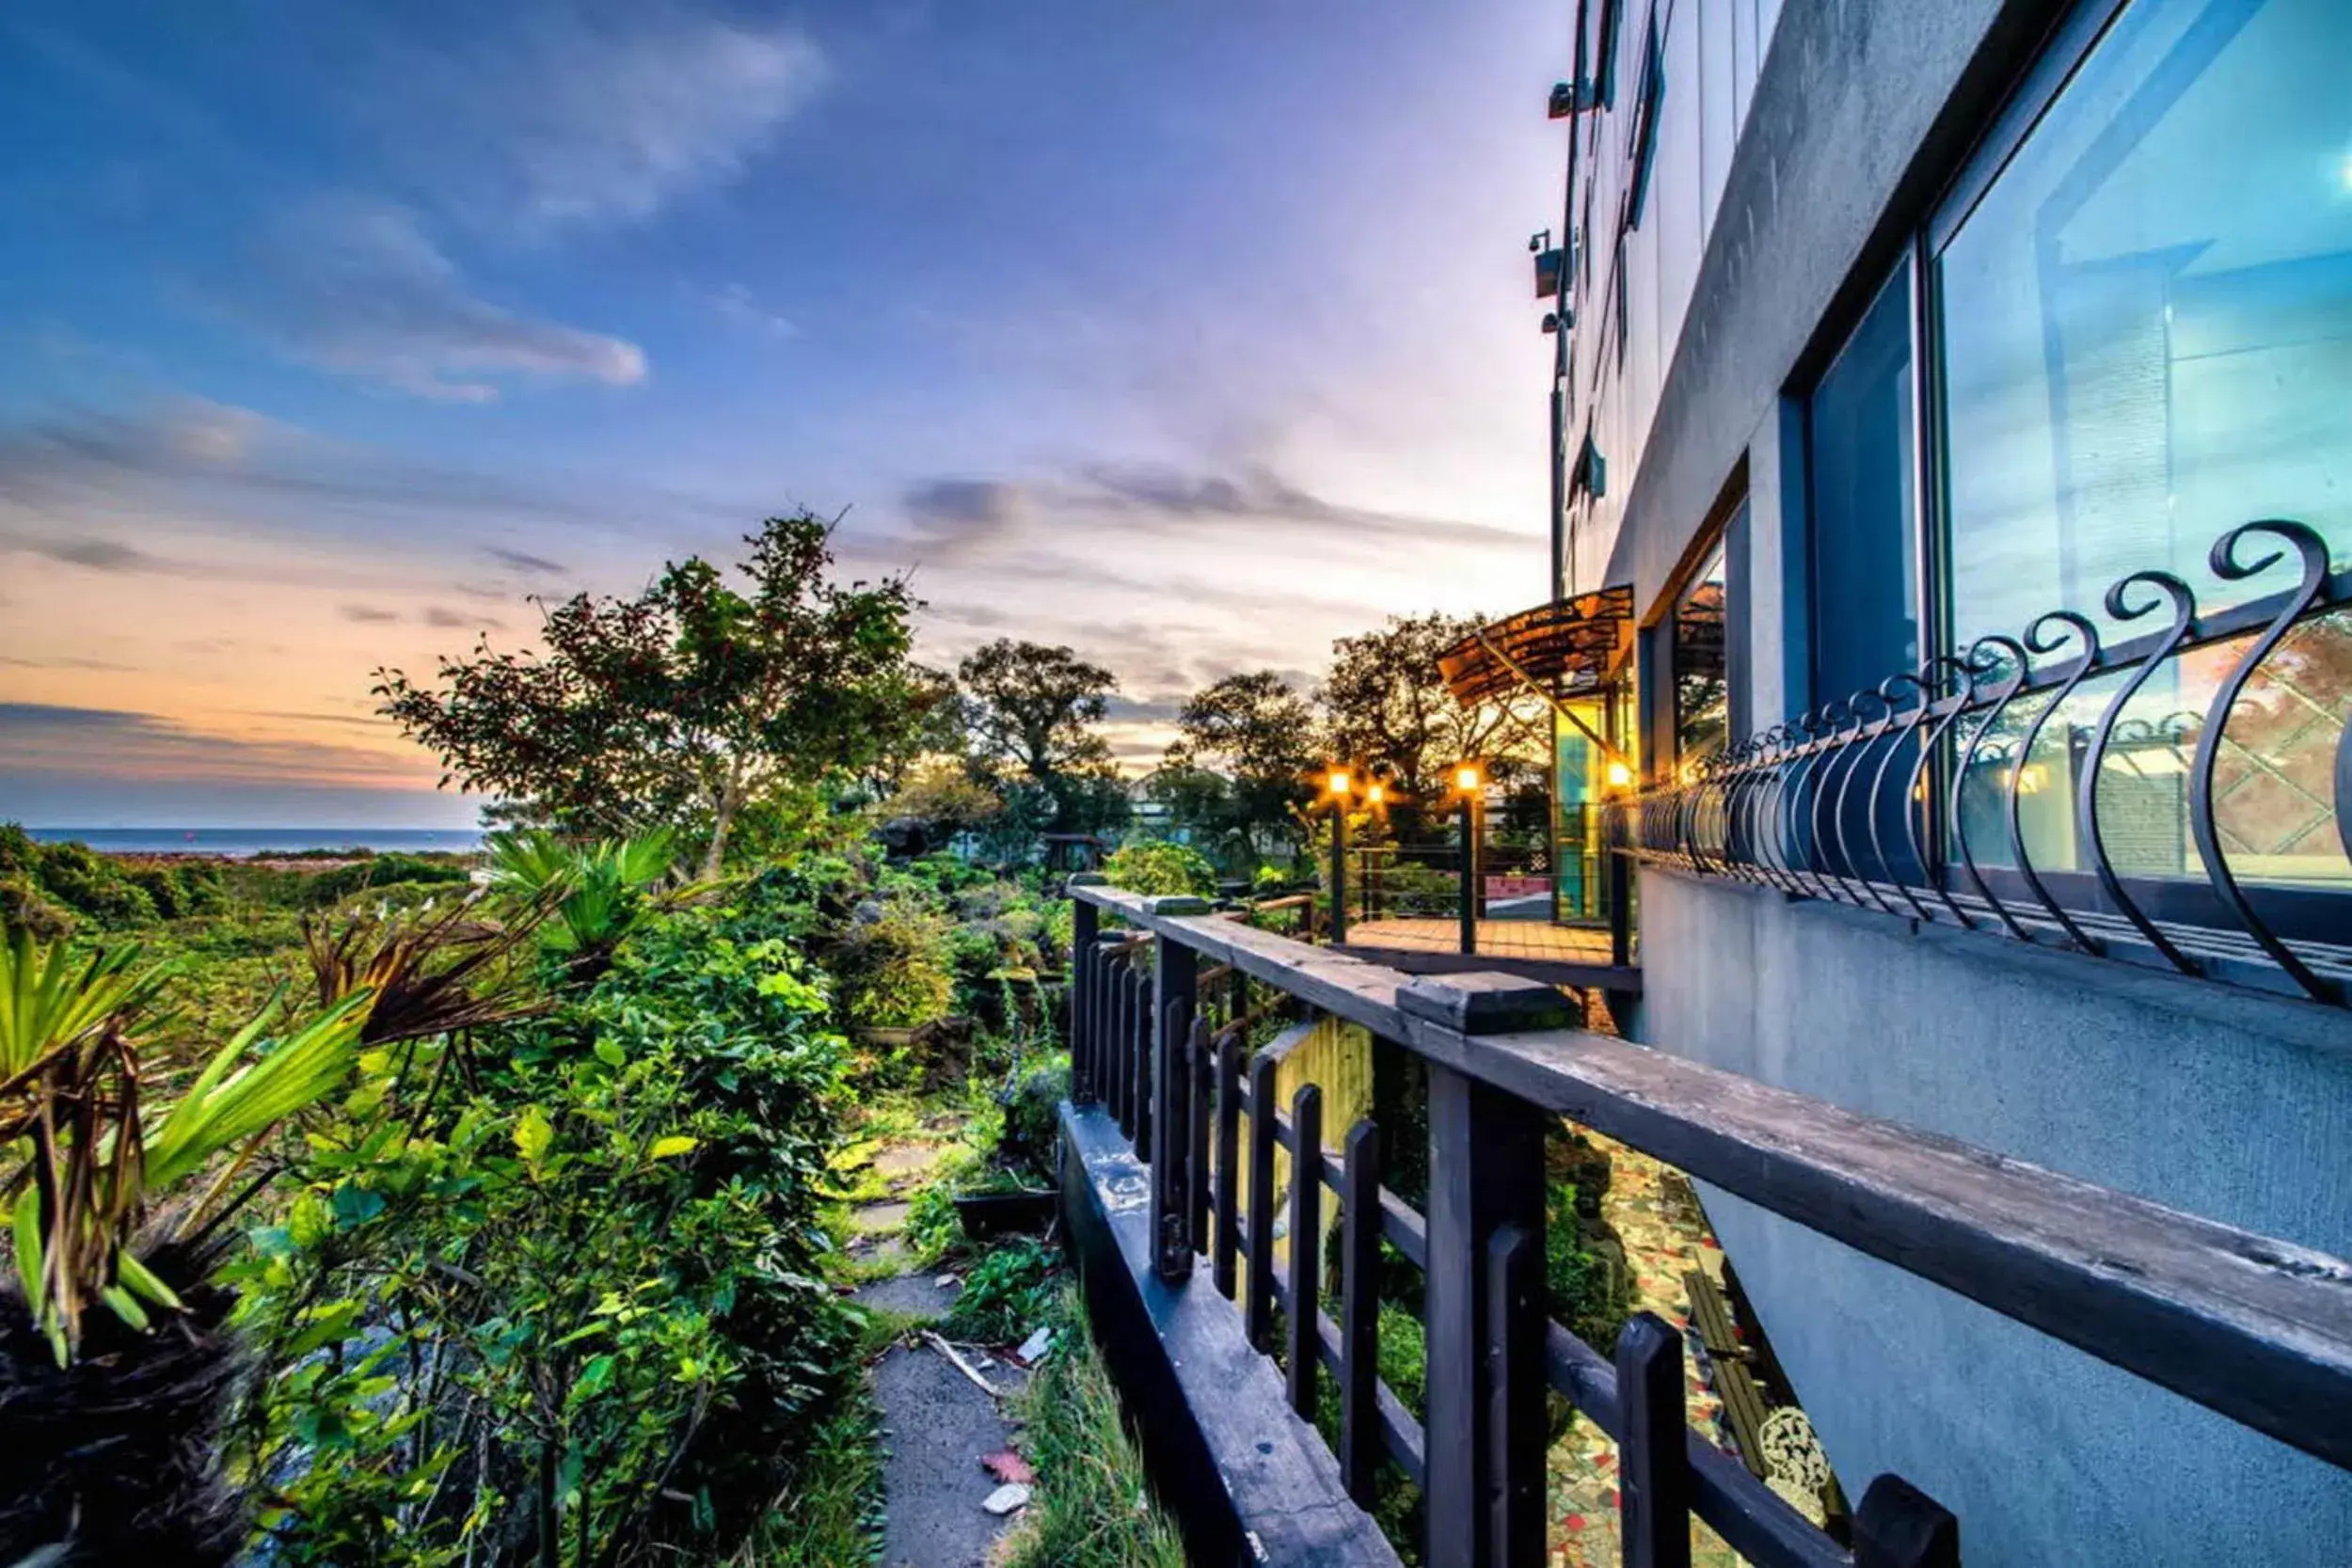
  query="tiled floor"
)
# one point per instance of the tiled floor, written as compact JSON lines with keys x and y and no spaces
{"x":1663,"y":1238}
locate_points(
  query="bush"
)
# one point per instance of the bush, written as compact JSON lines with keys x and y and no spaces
{"x":893,"y":965}
{"x":91,"y":884}
{"x":1006,"y":1294}
{"x":1155,"y":866}
{"x":563,"y":1286}
{"x":24,"y":907}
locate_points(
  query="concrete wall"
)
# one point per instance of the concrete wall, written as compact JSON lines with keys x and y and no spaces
{"x":2204,"y":1097}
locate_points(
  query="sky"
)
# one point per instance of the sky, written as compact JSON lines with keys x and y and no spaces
{"x":1191,"y":336}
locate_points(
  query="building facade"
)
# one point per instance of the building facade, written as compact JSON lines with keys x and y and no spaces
{"x":1906,"y":350}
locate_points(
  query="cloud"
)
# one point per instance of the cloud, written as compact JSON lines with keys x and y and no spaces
{"x":1170,"y":494}
{"x":736,"y":304}
{"x":522,"y":561}
{"x":368,"y":615}
{"x":46,"y":740}
{"x":552,"y":115}
{"x":108,"y":666}
{"x":357,"y":287}
{"x":99,"y":555}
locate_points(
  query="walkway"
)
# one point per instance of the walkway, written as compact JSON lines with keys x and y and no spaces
{"x":938,"y":1427}
{"x":1537,"y":939}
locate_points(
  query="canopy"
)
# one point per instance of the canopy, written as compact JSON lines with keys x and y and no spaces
{"x":1566,"y":647}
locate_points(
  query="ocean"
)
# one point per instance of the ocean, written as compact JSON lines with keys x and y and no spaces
{"x":242,"y":843}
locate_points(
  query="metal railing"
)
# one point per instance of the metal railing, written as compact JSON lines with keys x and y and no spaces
{"x":2169,"y":842}
{"x":2258,"y":1329}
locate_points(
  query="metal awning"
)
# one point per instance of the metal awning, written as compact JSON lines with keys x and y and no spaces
{"x":1562,"y":649}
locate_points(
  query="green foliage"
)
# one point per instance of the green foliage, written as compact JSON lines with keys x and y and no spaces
{"x":687,"y":704}
{"x":543,"y":1290}
{"x":1404,"y":1359}
{"x":599,"y":890}
{"x":1156,"y":867}
{"x":1007,"y":1294}
{"x":1092,"y":1507}
{"x":337,"y":883}
{"x":894,"y":964}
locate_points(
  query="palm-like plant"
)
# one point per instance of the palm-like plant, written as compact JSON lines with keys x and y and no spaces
{"x":108,"y":1449}
{"x":599,"y":890}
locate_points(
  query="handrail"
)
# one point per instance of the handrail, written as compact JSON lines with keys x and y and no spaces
{"x":2253,"y":1327}
{"x":1864,"y":800}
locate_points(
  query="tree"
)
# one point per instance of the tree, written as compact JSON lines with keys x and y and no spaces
{"x":1258,"y":732}
{"x":685,"y":705}
{"x":1386,"y":707}
{"x":1029,"y":712}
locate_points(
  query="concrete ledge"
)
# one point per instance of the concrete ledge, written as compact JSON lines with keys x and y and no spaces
{"x":1248,"y":1481}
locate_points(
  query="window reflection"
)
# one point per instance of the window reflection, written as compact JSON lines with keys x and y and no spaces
{"x":1702,"y":691}
{"x":2146,"y":340}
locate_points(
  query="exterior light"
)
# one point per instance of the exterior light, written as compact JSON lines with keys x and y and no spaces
{"x":1337,"y":783}
{"x":1466,"y":778}
{"x":1619,"y":774}
{"x":1376,"y":792}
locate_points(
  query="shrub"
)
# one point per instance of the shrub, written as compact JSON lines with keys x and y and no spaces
{"x":893,"y":965}
{"x":568,"y":1291}
{"x":91,"y":884}
{"x":1006,"y":1294}
{"x":1155,"y":866}
{"x":24,"y":908}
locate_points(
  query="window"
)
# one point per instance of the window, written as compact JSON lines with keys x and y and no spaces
{"x":1862,"y":552}
{"x":2144,"y":338}
{"x":2146,"y":319}
{"x":1618,"y":286}
{"x":1590,"y":476}
{"x":1645,"y":112}
{"x":1605,"y":53}
{"x":1702,"y":690}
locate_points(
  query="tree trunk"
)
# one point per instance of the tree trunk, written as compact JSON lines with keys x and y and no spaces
{"x":730,"y":802}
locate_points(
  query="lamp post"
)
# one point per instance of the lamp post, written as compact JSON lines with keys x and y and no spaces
{"x":1337,"y":783}
{"x":1467,"y":783}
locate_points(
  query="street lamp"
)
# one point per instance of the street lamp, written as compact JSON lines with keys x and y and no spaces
{"x":1338,"y":784}
{"x":1469,"y":786}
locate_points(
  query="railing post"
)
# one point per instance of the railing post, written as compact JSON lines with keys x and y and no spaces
{"x":1305,"y":1239}
{"x":1257,"y":1307}
{"x":1085,"y":925}
{"x":1486,"y":1179}
{"x":1228,"y":1248}
{"x":1199,"y":1124}
{"x":1620,"y":907}
{"x":1175,"y":980}
{"x":1653,"y":1470}
{"x":1142,"y":1028}
{"x":1899,"y":1526}
{"x":1359,"y":1314}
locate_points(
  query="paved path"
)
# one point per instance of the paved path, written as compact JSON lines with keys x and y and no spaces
{"x":936,"y":1426}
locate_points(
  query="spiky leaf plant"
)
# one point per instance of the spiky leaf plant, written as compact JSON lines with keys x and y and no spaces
{"x":109,"y":1453}
{"x":600,"y":891}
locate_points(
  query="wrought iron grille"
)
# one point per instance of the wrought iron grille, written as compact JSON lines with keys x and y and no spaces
{"x":2197,"y":841}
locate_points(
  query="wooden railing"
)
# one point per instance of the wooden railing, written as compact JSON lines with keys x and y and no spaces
{"x":2258,"y":1329}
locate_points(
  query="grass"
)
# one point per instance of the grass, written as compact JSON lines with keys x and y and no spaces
{"x":828,"y":1513}
{"x":1092,"y":1508}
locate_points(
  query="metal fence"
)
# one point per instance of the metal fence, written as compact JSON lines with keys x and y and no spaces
{"x":2258,"y":1329}
{"x":2059,"y":789}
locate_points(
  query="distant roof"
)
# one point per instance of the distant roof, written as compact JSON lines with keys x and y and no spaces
{"x":1570,"y":645}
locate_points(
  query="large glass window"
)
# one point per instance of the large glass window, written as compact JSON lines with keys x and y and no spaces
{"x":1862,"y":551}
{"x":2146,"y":321}
{"x":2145,"y":338}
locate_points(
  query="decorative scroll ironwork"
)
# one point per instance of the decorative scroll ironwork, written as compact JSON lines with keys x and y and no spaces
{"x":1880,"y":799}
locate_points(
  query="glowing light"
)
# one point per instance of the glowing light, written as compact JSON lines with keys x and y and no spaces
{"x":1619,"y":775}
{"x":1338,"y":781}
{"x":1376,"y":792}
{"x":1466,"y":778}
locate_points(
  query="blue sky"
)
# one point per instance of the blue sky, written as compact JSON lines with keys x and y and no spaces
{"x":1192,"y":335}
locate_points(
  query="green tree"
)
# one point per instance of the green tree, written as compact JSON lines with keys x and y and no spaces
{"x":1031,"y":713}
{"x":1257,"y":732}
{"x":1386,"y":707}
{"x":686,"y":704}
